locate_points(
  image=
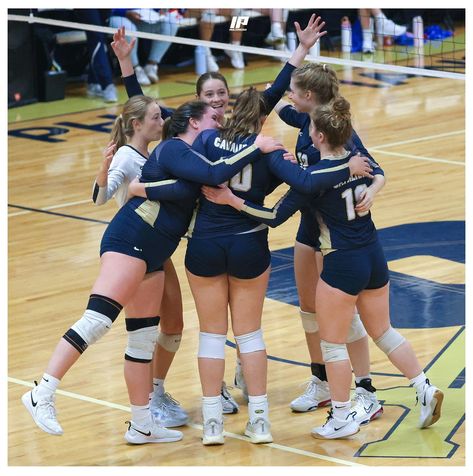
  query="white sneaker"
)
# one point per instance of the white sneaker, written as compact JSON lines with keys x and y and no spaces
{"x":151,"y":70}
{"x":43,"y":411}
{"x":317,"y":394}
{"x":229,"y":405}
{"x":387,"y":27}
{"x":334,"y":428}
{"x":153,"y":434}
{"x":259,"y":431}
{"x":431,"y":400}
{"x":110,"y":93}
{"x":273,"y":40}
{"x":167,"y":411}
{"x":236,"y":58}
{"x":212,"y":65}
{"x":240,"y":381}
{"x":94,"y":90}
{"x":141,"y":76}
{"x":213,"y":432}
{"x":366,"y":405}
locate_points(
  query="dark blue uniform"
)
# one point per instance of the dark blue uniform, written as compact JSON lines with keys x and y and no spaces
{"x":150,"y":229}
{"x":353,"y":257}
{"x":245,"y":256}
{"x":307,"y":154}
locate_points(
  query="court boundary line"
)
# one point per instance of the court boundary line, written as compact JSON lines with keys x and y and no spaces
{"x":196,"y":426}
{"x":416,"y":157}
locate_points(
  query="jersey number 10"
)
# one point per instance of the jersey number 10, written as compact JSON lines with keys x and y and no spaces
{"x":351,"y":197}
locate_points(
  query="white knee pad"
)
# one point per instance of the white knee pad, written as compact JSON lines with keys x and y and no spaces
{"x":142,"y":337}
{"x":357,"y":330}
{"x":333,"y":352}
{"x":92,"y":326}
{"x":211,"y":346}
{"x":251,"y":342}
{"x":390,"y":341}
{"x":170,"y":342}
{"x":309,"y":322}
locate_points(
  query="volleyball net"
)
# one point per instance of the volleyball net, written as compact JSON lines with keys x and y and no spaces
{"x":409,"y":42}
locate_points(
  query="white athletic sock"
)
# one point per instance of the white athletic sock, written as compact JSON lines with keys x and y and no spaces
{"x":419,"y":383}
{"x":158,"y":386}
{"x":276,"y":30}
{"x":367,"y":39}
{"x":212,"y":408}
{"x":141,"y":415}
{"x":258,"y":407}
{"x":47,"y":385}
{"x":341,"y":409}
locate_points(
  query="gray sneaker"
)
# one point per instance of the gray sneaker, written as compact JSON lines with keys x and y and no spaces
{"x":167,"y":411}
{"x":110,"y":93}
{"x":228,"y":402}
{"x":240,"y":381}
{"x":259,"y":431}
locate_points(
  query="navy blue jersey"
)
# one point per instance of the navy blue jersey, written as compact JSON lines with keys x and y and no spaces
{"x":306,"y":153}
{"x":254,"y":183}
{"x":171,"y":159}
{"x":340,"y":226}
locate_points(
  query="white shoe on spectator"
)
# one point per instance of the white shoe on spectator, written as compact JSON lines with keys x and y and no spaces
{"x":110,"y":93}
{"x":236,"y":58}
{"x":94,"y":90}
{"x":151,"y":71}
{"x":141,"y":76}
{"x":212,"y":65}
{"x":387,"y":27}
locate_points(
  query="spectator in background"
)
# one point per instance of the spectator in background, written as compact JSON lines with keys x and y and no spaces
{"x":208,"y":19}
{"x":384,"y":27}
{"x":100,"y":79}
{"x":160,"y":21}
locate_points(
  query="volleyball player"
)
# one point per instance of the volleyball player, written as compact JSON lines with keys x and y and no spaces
{"x":227,"y":263}
{"x":124,"y":158}
{"x":133,"y":249}
{"x":355,"y":272}
{"x":212,"y":88}
{"x":312,"y":85}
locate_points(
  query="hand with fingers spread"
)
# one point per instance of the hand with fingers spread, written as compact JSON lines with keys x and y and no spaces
{"x":122,"y":49}
{"x":311,"y":33}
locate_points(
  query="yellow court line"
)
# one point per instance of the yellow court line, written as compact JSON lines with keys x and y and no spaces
{"x":196,"y":426}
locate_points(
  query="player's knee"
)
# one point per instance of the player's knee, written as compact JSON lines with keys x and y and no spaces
{"x":309,"y":322}
{"x":333,"y":352}
{"x":357,"y":330}
{"x":251,"y":342}
{"x":390,"y":341}
{"x":211,"y":346}
{"x":101,"y":312}
{"x":169,"y":342}
{"x":142,"y":337}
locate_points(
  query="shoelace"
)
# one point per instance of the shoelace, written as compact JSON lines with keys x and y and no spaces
{"x":310,"y":387}
{"x":427,"y":384}
{"x":48,"y":405}
{"x":170,"y":400}
{"x":329,"y":417}
{"x":225,"y":391}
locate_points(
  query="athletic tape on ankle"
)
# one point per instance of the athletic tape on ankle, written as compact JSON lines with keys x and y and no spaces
{"x":357,"y":330}
{"x":390,"y":341}
{"x":251,"y":342}
{"x":332,"y":352}
{"x":96,"y":321}
{"x":142,"y":337}
{"x":169,"y":342}
{"x":211,"y":346}
{"x":309,"y":322}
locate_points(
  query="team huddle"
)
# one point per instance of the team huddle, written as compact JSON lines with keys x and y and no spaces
{"x":207,"y":180}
